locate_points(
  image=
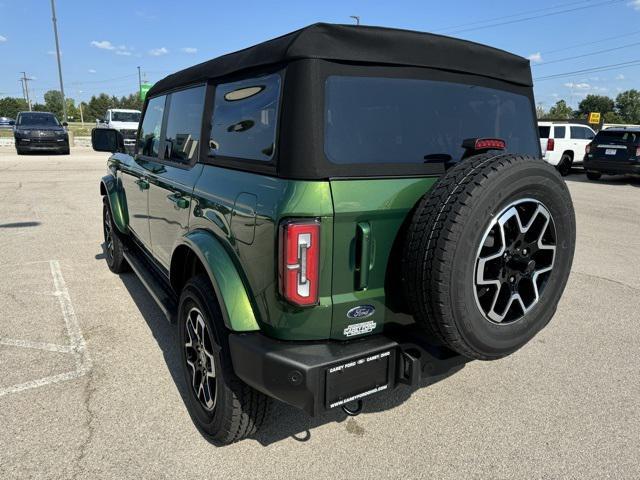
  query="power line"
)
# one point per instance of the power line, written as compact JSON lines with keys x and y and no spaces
{"x":595,"y":42}
{"x":535,"y":17}
{"x":589,"y":54}
{"x":602,"y":68}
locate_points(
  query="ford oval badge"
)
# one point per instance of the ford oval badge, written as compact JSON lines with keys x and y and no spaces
{"x":361,"y":311}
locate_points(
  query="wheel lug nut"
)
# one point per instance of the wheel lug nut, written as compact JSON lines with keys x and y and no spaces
{"x":524,"y":251}
{"x":512,"y":279}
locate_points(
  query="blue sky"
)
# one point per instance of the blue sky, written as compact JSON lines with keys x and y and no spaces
{"x":103,"y":42}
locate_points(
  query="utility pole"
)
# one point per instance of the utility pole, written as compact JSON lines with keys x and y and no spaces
{"x":55,"y":33}
{"x":25,"y":88}
{"x":139,"y":81}
{"x":80,"y":105}
{"x":356,"y":18}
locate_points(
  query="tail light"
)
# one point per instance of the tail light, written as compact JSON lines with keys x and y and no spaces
{"x":637,"y":151}
{"x":587,"y":149}
{"x":551,"y":144}
{"x":299,"y":261}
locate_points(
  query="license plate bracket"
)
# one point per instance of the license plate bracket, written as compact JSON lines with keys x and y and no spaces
{"x":358,"y":378}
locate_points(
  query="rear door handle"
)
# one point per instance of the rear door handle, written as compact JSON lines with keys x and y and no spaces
{"x":363,"y":254}
{"x":178,"y":200}
{"x":142,"y":183}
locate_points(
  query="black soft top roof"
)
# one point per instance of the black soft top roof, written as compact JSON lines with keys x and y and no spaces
{"x":362,"y":44}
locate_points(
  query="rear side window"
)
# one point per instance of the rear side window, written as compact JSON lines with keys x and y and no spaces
{"x":244,"y":118}
{"x":559,"y":132}
{"x":544,"y":132}
{"x":184,"y":124}
{"x":149,"y":138}
{"x":581,"y":133}
{"x":395,"y":120}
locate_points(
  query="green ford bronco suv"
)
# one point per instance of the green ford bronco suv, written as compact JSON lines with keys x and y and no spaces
{"x":335,"y":212}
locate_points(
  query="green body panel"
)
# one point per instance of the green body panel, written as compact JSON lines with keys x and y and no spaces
{"x":112,"y":187}
{"x":243,"y":210}
{"x":235,"y":302}
{"x":377,"y":207}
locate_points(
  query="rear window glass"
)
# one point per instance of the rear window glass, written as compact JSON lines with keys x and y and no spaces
{"x":544,"y":131}
{"x":393,"y":120}
{"x":617,"y":136}
{"x":244,"y":118}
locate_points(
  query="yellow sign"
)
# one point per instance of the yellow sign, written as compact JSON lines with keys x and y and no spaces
{"x":594,"y":118}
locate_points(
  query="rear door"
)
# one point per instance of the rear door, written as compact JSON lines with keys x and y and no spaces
{"x":174,"y":175}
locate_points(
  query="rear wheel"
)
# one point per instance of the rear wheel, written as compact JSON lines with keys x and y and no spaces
{"x":222,"y":406}
{"x":488,"y":254}
{"x":594,"y":175}
{"x":564,"y":167}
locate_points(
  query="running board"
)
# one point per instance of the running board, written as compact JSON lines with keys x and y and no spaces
{"x":157,"y":287}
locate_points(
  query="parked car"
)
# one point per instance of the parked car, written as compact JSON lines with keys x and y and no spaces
{"x":126,"y":121}
{"x":614,"y":151}
{"x":382,"y":215}
{"x":40,"y":131}
{"x":6,"y":122}
{"x":563,"y":144}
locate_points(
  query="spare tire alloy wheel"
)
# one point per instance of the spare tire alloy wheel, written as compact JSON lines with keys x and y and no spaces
{"x":199,"y":354}
{"x":514,"y":261}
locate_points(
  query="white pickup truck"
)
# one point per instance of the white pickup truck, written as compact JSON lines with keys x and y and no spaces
{"x":126,"y":121}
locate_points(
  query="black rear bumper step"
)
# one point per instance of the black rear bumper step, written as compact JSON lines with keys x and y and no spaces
{"x":320,"y":376}
{"x":153,"y":281}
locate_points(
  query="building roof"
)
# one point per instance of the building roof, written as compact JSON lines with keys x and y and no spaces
{"x":361,"y":44}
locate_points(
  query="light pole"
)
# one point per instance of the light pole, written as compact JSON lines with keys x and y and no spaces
{"x":25,"y":86}
{"x":80,"y":105}
{"x":55,"y":33}
{"x":356,"y":18}
{"x":139,"y":81}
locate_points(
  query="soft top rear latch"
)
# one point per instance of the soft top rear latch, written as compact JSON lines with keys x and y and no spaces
{"x":474,"y":146}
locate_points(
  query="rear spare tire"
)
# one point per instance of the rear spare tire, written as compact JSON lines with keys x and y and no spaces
{"x":488,"y":253}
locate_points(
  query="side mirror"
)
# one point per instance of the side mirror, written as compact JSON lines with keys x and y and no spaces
{"x":107,"y":140}
{"x":65,"y":124}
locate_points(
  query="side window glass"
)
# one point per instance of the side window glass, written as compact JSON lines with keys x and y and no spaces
{"x":184,"y":124}
{"x":588,"y":134}
{"x":149,"y":142}
{"x":559,"y":132}
{"x":244,"y":118}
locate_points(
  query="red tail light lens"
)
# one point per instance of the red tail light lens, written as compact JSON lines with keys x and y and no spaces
{"x":637,"y":151}
{"x":300,"y":261}
{"x":551,"y":144}
{"x":490,"y":144}
{"x":587,"y":149}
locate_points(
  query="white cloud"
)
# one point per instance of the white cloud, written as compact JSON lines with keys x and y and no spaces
{"x":3,"y":39}
{"x":103,"y":45}
{"x":635,"y":4}
{"x":537,"y":57}
{"x":578,"y":86}
{"x":189,"y":50}
{"x":157,"y":52}
{"x":125,"y":53}
{"x":91,"y":70}
{"x":620,"y":77}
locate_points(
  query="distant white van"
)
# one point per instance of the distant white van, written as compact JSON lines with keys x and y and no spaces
{"x":564,"y":144}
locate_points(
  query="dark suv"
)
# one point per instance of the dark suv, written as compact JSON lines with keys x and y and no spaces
{"x":40,"y":131}
{"x":614,"y":151}
{"x":335,"y":212}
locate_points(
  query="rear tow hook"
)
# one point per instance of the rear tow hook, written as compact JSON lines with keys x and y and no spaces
{"x":355,"y":411}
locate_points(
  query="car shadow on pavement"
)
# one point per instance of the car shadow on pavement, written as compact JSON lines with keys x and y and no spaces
{"x":580,"y":177}
{"x":284,"y":421}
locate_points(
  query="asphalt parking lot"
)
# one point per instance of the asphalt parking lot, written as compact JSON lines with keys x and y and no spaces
{"x":88,"y":364}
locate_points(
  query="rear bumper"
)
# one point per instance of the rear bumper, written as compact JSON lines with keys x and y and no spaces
{"x":321,"y":376}
{"x":611,"y":167}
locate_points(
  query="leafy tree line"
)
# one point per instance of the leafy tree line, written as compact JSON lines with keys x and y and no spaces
{"x":625,"y":108}
{"x":91,"y":110}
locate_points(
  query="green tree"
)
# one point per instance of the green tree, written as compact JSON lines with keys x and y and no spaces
{"x":628,"y":106}
{"x":98,"y":106}
{"x":53,"y":102}
{"x":560,"y":111}
{"x":613,"y":117}
{"x":10,"y":106}
{"x":595,"y":103}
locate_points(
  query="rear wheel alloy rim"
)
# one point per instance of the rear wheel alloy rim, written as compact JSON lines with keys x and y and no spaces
{"x":200,"y":359}
{"x":108,"y":233}
{"x":514,"y":261}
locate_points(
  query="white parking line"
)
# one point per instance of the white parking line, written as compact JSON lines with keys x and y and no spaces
{"x":77,"y":346}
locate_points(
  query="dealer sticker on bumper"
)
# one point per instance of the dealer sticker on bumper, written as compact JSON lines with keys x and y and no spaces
{"x":359,"y":328}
